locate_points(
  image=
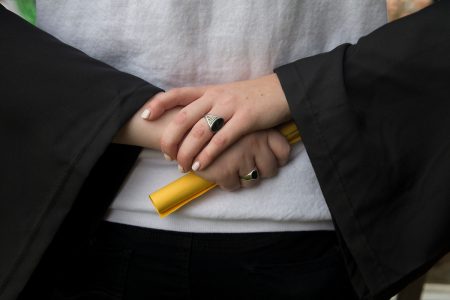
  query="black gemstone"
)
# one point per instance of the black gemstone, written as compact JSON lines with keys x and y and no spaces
{"x":218,"y":123}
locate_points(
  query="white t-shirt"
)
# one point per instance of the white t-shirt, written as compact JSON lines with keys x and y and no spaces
{"x":174,"y":43}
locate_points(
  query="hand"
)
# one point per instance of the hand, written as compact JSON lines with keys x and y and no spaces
{"x":137,"y":132}
{"x":266,"y":150}
{"x":245,"y":106}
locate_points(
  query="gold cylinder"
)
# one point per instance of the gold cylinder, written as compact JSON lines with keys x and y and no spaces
{"x":171,"y":197}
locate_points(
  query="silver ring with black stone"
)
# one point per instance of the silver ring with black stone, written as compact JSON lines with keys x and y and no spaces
{"x":251,"y":176}
{"x":214,"y":122}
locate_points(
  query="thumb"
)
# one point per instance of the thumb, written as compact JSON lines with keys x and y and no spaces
{"x":279,"y":146}
{"x":163,"y":102}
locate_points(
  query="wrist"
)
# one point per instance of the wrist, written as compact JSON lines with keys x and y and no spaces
{"x":274,"y":110}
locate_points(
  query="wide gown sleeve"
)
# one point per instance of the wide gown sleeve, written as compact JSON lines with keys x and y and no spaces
{"x":59,"y":110}
{"x":375,"y":121}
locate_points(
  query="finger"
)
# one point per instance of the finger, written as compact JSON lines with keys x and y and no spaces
{"x":230,"y":182}
{"x":198,"y":137}
{"x":240,"y":162}
{"x":266,"y":162}
{"x":280,"y":146}
{"x":193,"y":142}
{"x":177,"y":129}
{"x":249,"y":171}
{"x":162,"y":102}
{"x":144,"y":111}
{"x":230,"y":133}
{"x":221,"y":173}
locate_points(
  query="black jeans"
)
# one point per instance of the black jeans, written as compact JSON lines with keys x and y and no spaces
{"x":126,"y":262}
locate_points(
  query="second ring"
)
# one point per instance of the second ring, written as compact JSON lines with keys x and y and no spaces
{"x":251,"y":176}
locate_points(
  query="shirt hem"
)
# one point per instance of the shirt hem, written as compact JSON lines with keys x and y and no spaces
{"x":203,"y":225}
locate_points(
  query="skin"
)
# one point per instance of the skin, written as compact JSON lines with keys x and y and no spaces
{"x":246,"y":106}
{"x":266,"y":149}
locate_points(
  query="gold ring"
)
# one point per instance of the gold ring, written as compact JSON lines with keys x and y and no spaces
{"x":252,"y":175}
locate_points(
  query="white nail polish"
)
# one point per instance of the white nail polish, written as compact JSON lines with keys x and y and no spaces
{"x":145,"y":114}
{"x":196,"y":166}
{"x":167,"y":157}
{"x":180,"y":168}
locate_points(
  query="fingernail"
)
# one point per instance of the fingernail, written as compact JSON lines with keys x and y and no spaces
{"x":167,"y":157}
{"x":196,"y":166}
{"x":145,"y":114}
{"x":180,"y":168}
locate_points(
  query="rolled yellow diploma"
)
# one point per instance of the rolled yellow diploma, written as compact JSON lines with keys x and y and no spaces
{"x":178,"y":193}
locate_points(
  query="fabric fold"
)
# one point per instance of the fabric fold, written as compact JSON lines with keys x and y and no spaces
{"x":59,"y":111}
{"x":374,"y":120}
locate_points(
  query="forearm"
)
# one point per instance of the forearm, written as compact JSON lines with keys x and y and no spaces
{"x":139,"y":132}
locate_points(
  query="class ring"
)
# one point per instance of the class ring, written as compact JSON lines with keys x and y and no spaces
{"x":252,"y":175}
{"x":214,"y":122}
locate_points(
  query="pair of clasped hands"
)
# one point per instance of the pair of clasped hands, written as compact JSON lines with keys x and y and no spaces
{"x":174,"y":123}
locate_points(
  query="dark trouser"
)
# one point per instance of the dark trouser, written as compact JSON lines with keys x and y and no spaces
{"x":126,"y":262}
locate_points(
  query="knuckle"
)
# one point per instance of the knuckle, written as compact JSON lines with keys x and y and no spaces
{"x":205,"y":156}
{"x":220,"y":140}
{"x":215,"y":91}
{"x":280,"y":146}
{"x":283,"y":154}
{"x":183,"y":158}
{"x":155,"y":104}
{"x":167,"y":147}
{"x":251,"y":141}
{"x":174,"y":92}
{"x":257,"y":141}
{"x":156,"y":99}
{"x":198,"y":131}
{"x":228,"y":100}
{"x":222,"y":180}
{"x":159,"y":96}
{"x":164,"y":144}
{"x":181,"y":117}
{"x":285,"y":151}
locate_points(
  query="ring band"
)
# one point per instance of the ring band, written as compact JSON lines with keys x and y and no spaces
{"x":214,"y":122}
{"x":253,"y":175}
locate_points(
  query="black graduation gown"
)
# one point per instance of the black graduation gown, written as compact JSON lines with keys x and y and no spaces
{"x":59,"y":110}
{"x":373,"y":117}
{"x":375,"y":120}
